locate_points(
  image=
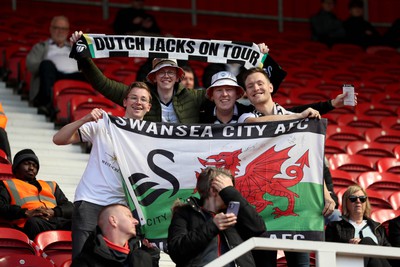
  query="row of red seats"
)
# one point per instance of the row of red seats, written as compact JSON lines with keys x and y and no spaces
{"x":50,"y":248}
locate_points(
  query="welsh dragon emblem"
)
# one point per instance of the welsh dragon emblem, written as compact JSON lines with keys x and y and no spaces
{"x":262,"y":176}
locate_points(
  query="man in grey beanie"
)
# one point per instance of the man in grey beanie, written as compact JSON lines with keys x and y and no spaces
{"x":32,"y":205}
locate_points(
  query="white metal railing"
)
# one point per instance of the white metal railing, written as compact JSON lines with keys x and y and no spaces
{"x":328,"y":254}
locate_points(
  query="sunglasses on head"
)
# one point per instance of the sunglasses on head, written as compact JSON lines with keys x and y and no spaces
{"x":361,"y":198}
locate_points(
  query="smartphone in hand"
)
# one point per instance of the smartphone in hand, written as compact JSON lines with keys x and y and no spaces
{"x":233,"y":207}
{"x":349,"y":99}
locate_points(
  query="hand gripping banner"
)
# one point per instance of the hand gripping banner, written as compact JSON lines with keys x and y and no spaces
{"x":277,"y":167}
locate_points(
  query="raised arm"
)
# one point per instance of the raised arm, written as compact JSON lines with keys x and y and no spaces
{"x":69,"y":133}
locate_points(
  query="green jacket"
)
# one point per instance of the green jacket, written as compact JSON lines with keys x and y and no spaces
{"x":187,"y":103}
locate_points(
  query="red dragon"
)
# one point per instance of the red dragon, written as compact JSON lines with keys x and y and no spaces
{"x":262,"y":176}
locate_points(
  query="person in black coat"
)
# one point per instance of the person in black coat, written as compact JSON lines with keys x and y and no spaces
{"x":394,"y":236}
{"x":136,"y":21}
{"x":200,"y":230}
{"x":114,"y":242}
{"x":356,"y":226}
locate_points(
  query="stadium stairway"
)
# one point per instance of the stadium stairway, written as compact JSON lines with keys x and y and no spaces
{"x":63,"y":164}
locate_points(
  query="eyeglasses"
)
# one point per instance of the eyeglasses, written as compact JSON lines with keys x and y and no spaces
{"x":170,"y":73}
{"x":137,"y":99}
{"x":361,"y":198}
{"x":64,"y":29}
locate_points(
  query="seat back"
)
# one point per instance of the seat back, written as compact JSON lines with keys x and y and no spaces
{"x":388,"y":165}
{"x":83,"y":104}
{"x":384,"y":215}
{"x":353,"y":164}
{"x":55,"y":245}
{"x":13,"y":241}
{"x":388,"y":136}
{"x":6,"y":171}
{"x":24,"y":261}
{"x":394,"y":200}
{"x":358,"y":121}
{"x":63,"y":91}
{"x":372,"y":150}
{"x":385,"y":182}
{"x":377,"y":200}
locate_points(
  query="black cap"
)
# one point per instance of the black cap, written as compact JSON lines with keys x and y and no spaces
{"x":25,"y":154}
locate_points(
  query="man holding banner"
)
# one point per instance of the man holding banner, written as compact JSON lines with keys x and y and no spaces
{"x":101,"y":183}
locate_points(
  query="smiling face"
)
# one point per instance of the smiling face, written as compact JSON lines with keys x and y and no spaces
{"x":166,"y":78}
{"x":137,"y":103}
{"x":224,"y":97}
{"x":258,"y":89}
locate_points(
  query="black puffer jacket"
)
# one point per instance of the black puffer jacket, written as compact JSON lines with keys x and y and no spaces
{"x":193,"y":240}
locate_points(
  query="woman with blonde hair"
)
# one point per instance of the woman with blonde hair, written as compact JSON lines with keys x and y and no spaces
{"x":356,"y":226}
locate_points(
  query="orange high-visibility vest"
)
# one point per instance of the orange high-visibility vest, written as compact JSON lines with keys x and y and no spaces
{"x":3,"y":118}
{"x":27,"y":196}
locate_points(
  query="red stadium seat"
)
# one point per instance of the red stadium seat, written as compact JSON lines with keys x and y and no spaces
{"x":384,"y":215}
{"x":390,"y":123}
{"x":396,"y":151}
{"x":358,"y":121}
{"x":57,"y":245}
{"x":394,"y":200}
{"x":347,"y":49}
{"x":13,"y":241}
{"x":344,"y":134}
{"x":353,"y":164}
{"x":83,"y":104}
{"x":386,"y":99}
{"x":387,"y":136}
{"x":377,"y":111}
{"x":377,"y":200}
{"x":341,"y":179}
{"x":120,"y":72}
{"x":3,"y":157}
{"x":24,"y":261}
{"x":388,"y":165}
{"x":66,"y":263}
{"x":63,"y":91}
{"x":341,"y":76}
{"x":6,"y":171}
{"x":385,"y":182}
{"x":333,"y":147}
{"x":309,"y":95}
{"x":372,"y":150}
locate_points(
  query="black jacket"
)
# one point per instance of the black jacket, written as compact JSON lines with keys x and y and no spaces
{"x":193,"y":238}
{"x":342,"y":231}
{"x":96,"y":253}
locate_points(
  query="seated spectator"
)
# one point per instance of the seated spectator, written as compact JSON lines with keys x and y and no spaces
{"x":394,"y":237}
{"x":190,"y":80}
{"x":135,"y":20}
{"x":32,"y":205}
{"x":356,"y":226}
{"x":392,"y":35}
{"x":200,"y":228}
{"x":358,"y":30}
{"x":325,"y":26}
{"x":49,"y":61}
{"x":115,"y":242}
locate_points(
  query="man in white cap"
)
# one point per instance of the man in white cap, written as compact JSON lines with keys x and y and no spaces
{"x":224,"y":91}
{"x":171,"y":102}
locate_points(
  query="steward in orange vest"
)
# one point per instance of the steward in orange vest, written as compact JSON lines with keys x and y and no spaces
{"x":32,"y":205}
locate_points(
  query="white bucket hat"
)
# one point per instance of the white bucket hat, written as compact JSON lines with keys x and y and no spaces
{"x":159,"y":63}
{"x":224,"y":78}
